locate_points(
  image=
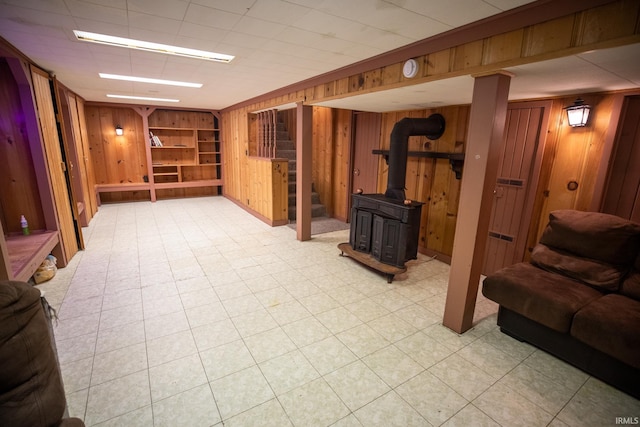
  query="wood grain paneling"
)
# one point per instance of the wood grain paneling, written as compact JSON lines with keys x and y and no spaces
{"x":322,"y":160}
{"x":574,"y":156}
{"x":86,"y":155}
{"x":235,"y":144}
{"x":429,"y":180}
{"x":116,"y":159}
{"x":341,"y":170}
{"x":268,"y":192}
{"x":19,"y":193}
{"x":44,"y":100}
{"x":622,"y":192}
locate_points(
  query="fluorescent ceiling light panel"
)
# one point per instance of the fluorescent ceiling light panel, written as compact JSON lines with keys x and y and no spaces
{"x":151,"y":47}
{"x":142,"y":98}
{"x":148,"y":80}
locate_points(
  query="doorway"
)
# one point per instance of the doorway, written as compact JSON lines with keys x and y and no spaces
{"x":364,"y":177}
{"x":518,"y":173}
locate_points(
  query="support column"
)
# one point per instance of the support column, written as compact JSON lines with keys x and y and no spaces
{"x":482,"y":155}
{"x":304,"y":138}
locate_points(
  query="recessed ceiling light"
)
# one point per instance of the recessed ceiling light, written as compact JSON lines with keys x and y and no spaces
{"x":142,"y":98}
{"x":152,"y":47}
{"x":148,"y":80}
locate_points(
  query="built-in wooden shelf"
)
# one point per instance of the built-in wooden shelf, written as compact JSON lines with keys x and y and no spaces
{"x":456,"y":159}
{"x":125,"y":186}
{"x":26,"y":253}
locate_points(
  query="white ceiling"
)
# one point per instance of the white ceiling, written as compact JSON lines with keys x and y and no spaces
{"x":276,"y":43}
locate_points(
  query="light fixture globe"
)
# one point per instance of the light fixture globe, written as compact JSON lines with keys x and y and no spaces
{"x":578,"y":113}
{"x":119,"y":130}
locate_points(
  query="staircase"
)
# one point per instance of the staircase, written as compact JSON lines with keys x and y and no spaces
{"x":286,"y":149}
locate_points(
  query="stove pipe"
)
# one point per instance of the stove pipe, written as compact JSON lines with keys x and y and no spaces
{"x":432,"y":127}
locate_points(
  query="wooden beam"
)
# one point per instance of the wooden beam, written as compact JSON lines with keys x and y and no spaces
{"x":485,"y":137}
{"x":304,"y":139}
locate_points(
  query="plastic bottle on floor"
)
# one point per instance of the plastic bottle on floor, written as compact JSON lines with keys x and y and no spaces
{"x":25,"y":226}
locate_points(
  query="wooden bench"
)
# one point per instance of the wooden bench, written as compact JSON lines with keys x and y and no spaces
{"x":128,"y":186}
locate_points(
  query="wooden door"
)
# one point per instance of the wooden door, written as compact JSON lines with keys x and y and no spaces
{"x":518,"y":172}
{"x":365,"y":163}
{"x":622,"y":191}
{"x":70,"y":231}
{"x":70,"y":131}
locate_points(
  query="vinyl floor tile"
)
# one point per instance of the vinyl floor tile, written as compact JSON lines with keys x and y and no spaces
{"x":193,"y":312}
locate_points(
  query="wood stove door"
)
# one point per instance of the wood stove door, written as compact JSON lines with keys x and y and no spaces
{"x":360,"y":233}
{"x":389,"y":241}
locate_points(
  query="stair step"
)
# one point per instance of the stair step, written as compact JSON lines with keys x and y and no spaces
{"x":286,"y":154}
{"x":315,"y":199}
{"x":317,"y":210}
{"x":285,"y":144}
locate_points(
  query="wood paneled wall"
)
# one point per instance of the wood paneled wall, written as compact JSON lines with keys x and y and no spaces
{"x":431,"y":181}
{"x":341,"y":166}
{"x":117,"y":159}
{"x":268,"y":192}
{"x":19,"y":193}
{"x":332,"y":129}
{"x":235,"y":145}
{"x":571,"y":154}
{"x":69,"y":235}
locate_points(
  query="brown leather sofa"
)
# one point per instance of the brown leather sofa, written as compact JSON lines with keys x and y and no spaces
{"x":579,"y":297}
{"x":31,"y":389}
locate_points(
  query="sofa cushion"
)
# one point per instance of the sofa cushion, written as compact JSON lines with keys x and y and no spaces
{"x":31,"y":391}
{"x":631,"y":285}
{"x":590,"y":271}
{"x":610,"y":324}
{"x":544,"y":297}
{"x":594,"y":235}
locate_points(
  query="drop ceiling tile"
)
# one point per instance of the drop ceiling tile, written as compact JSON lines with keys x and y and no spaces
{"x":233,"y":38}
{"x":258,"y":27}
{"x":405,"y":23}
{"x":304,"y":38}
{"x":119,"y":29}
{"x":235,"y":6}
{"x":277,"y":11}
{"x":209,"y":17}
{"x":452,"y":13}
{"x":94,"y":11}
{"x":50,"y":6}
{"x":201,"y":36}
{"x":152,"y":22}
{"x":329,"y":25}
{"x":166,"y":9}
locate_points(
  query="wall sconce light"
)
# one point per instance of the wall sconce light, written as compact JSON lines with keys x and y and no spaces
{"x":119,"y":130}
{"x":578,"y":113}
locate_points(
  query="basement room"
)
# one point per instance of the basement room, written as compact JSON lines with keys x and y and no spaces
{"x":330,"y":213}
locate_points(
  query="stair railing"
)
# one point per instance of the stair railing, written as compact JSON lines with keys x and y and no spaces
{"x":267,"y":133}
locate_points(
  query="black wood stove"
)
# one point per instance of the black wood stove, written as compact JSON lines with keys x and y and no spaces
{"x":387,"y":226}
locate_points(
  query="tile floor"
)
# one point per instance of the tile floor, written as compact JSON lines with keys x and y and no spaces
{"x":193,"y":313}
